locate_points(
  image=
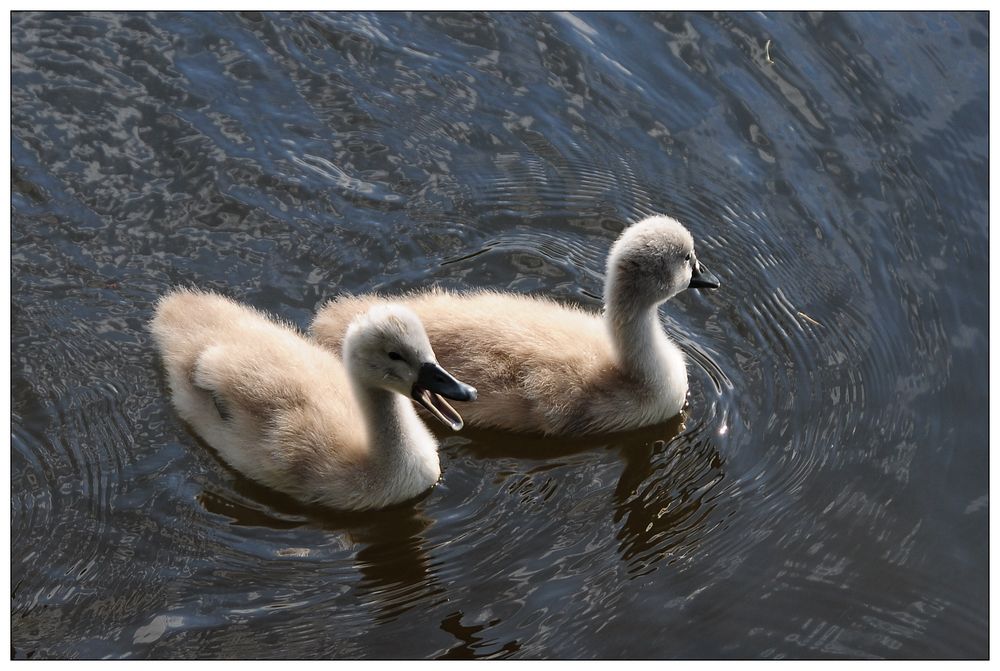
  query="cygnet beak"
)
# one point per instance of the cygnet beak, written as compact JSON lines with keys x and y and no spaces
{"x":702,"y":278}
{"x":433,"y":383}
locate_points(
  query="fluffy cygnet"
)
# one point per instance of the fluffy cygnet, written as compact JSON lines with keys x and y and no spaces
{"x":291,"y":415}
{"x":553,"y":369}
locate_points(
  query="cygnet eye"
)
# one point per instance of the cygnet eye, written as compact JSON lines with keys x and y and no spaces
{"x":395,"y":356}
{"x":687,"y":257}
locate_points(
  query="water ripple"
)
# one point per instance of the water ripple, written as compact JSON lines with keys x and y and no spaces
{"x":834,"y":438}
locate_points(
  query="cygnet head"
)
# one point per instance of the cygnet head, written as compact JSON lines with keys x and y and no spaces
{"x":654,"y":260}
{"x":387,"y":348}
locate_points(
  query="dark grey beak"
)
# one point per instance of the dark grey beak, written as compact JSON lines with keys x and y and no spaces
{"x":433,"y":383}
{"x":702,"y":278}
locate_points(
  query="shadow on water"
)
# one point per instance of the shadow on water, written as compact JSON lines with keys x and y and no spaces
{"x":486,"y":443}
{"x":664,"y":501}
{"x":660,"y":504}
{"x":391,"y":549}
{"x":469,"y":644}
{"x":664,"y":496}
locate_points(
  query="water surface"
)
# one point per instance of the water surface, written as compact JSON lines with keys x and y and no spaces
{"x":824,"y":496}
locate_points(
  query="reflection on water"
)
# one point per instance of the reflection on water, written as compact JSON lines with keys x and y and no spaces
{"x":655,"y":500}
{"x":664,"y":517}
{"x":823,"y":495}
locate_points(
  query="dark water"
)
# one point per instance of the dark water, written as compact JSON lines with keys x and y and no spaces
{"x":827,"y":492}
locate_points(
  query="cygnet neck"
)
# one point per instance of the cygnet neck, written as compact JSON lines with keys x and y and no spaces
{"x":642,"y":348}
{"x":392,"y":426}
